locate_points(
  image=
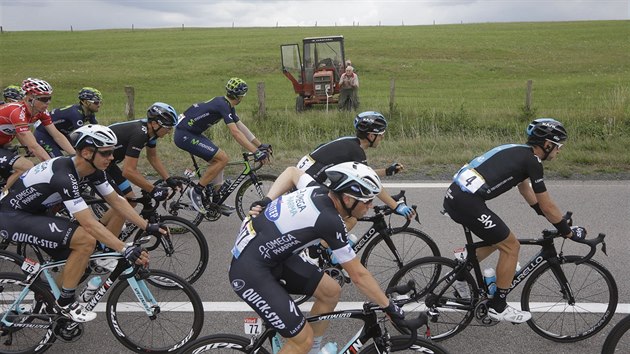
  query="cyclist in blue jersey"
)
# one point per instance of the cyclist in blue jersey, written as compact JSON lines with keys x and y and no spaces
{"x":69,"y":118}
{"x":494,"y":173}
{"x":189,"y":137}
{"x":12,"y":93}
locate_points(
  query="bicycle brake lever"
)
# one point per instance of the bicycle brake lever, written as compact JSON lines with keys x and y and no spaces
{"x":415,"y":207}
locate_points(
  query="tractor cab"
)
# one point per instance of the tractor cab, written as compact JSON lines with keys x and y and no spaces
{"x":315,"y":76}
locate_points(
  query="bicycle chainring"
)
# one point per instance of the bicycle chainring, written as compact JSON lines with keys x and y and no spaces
{"x":338,"y":275}
{"x":67,"y":330}
{"x":481,"y":314}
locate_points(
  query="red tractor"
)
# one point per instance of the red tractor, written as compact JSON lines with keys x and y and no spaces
{"x":315,"y":79}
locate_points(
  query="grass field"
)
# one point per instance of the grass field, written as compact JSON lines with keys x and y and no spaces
{"x":460,"y":89}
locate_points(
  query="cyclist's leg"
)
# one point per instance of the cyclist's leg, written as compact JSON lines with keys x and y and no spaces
{"x":48,"y":143}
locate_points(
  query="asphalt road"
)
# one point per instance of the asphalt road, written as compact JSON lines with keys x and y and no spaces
{"x":600,"y":206}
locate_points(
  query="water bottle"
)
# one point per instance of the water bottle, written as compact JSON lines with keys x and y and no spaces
{"x":329,"y":348}
{"x":518,"y":267}
{"x":490,"y":278}
{"x":460,"y":254}
{"x":90,"y":289}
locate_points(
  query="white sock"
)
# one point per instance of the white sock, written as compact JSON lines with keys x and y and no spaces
{"x":317,"y":343}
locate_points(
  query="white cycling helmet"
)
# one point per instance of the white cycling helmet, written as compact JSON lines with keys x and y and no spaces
{"x":354,"y":178}
{"x":94,"y":135}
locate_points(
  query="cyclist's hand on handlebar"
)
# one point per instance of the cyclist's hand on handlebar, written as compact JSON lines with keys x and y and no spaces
{"x":159,"y":193}
{"x":173,"y":183}
{"x":578,"y":233}
{"x":393,"y":169}
{"x":156,"y":229}
{"x":267,"y":148}
{"x":136,"y":254}
{"x":404,"y":210}
{"x":261,"y":156}
{"x":396,"y":314}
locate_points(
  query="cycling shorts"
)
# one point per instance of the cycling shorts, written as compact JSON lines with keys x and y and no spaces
{"x":266,"y":289}
{"x":50,"y":233}
{"x":121,"y":184}
{"x":471,"y":211}
{"x":196,"y":144}
{"x":7,"y":159}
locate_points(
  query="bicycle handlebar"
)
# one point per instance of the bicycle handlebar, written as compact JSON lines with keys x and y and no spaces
{"x":592,"y":243}
{"x":385,"y":210}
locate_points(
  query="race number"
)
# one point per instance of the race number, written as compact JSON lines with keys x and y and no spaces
{"x":305,"y":163}
{"x":252,"y":325}
{"x":470,"y":180}
{"x":246,"y":234}
{"x":30,"y":266}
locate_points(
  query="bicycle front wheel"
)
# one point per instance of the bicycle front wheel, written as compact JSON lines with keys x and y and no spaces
{"x":618,"y":340}
{"x":184,"y":252}
{"x":449,"y":311}
{"x":554,"y":317}
{"x":180,"y":205}
{"x":380,"y":256}
{"x":400,"y":343}
{"x":31,"y":311}
{"x":176,"y":316}
{"x":253,"y":189}
{"x":220,"y":343}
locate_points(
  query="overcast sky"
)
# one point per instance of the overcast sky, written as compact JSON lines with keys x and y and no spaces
{"x":18,"y":15}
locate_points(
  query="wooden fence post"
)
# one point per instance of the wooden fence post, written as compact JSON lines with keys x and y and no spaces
{"x":528,"y":96}
{"x":392,"y":96}
{"x":262,"y":111}
{"x":129,"y":111}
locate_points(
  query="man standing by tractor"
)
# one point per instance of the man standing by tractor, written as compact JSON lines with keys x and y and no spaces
{"x":349,"y":95}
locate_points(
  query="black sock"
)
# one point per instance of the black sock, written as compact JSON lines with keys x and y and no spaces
{"x":66,"y":297}
{"x":499,"y":301}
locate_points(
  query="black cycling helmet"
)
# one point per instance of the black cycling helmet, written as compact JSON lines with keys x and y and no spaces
{"x":162,"y":113}
{"x":354,"y":178}
{"x":13,"y":93}
{"x":93,"y":135}
{"x":236,"y":87}
{"x":543,"y":129}
{"x":370,"y":122}
{"x":90,"y":94}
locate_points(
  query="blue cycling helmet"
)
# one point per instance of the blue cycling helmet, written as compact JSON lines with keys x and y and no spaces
{"x":370,"y":122}
{"x":543,"y":129}
{"x":162,"y":113}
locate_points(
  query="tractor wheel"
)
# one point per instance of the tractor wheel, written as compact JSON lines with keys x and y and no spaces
{"x":299,"y":104}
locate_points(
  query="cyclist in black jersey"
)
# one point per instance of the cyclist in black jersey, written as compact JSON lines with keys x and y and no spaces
{"x":370,"y":129}
{"x":133,"y":137}
{"x":266,"y":265}
{"x":189,"y":137}
{"x":23,"y":210}
{"x":494,"y":173}
{"x":69,"y":118}
{"x":12,"y":93}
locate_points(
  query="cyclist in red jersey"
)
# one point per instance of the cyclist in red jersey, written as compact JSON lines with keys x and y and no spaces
{"x":15,"y":119}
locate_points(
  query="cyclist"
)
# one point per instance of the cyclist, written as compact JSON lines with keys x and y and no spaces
{"x":15,"y":119}
{"x":133,"y":136}
{"x":266,"y":265}
{"x":370,"y":129}
{"x":23,"y":212}
{"x":189,"y":137}
{"x":69,"y":118}
{"x":494,"y":173}
{"x":12,"y":93}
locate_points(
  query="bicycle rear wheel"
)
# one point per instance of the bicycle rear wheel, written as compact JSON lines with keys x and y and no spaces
{"x":177,"y":316}
{"x":184,"y":253}
{"x":553,"y":317}
{"x":408,"y":243}
{"x":253,"y":188}
{"x":618,"y":340}
{"x":449,"y":313}
{"x":32,"y":310}
{"x":219,"y":343}
{"x":421,"y":345}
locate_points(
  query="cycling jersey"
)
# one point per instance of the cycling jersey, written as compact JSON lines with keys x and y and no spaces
{"x":132,"y":138}
{"x":23,"y":209}
{"x":266,"y":250}
{"x":66,"y":120}
{"x":15,"y":118}
{"x":340,"y":150}
{"x":201,"y":116}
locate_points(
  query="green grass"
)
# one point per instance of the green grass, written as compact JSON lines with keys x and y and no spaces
{"x":460,"y":89}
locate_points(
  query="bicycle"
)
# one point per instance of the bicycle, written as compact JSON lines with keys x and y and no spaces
{"x":264,"y":339}
{"x":618,"y":340}
{"x":387,"y":248}
{"x":560,"y":290}
{"x":150,"y":311}
{"x":251,"y":185}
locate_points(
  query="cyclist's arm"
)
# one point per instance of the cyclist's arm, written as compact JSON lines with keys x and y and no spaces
{"x":130,"y":172}
{"x":364,"y":280}
{"x":248,"y":134}
{"x":123,"y":207}
{"x":527,"y":192}
{"x":60,"y":139}
{"x":549,"y":208}
{"x":97,"y":230}
{"x":156,"y":163}
{"x":288,"y":179}
{"x":241,"y":138}
{"x":27,"y":139}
